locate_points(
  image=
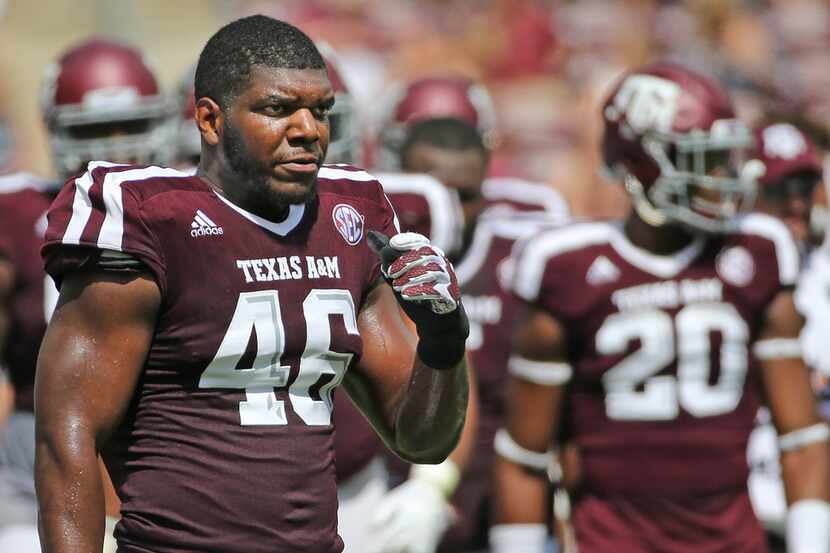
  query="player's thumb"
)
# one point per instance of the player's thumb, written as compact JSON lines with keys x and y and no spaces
{"x":379,"y":243}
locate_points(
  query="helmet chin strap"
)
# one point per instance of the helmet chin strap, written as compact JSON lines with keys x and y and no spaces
{"x":644,"y":208}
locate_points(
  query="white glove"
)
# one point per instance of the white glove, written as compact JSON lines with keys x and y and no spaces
{"x":413,"y":517}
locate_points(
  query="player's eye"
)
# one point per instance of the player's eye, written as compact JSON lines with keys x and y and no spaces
{"x":273,"y":110}
{"x":321,"y":112}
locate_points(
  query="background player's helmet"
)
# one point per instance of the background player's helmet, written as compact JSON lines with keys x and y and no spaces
{"x":344,"y":141}
{"x":102,"y":102}
{"x":666,"y":129}
{"x":433,"y":97}
{"x":785,"y":151}
{"x":188,"y":137}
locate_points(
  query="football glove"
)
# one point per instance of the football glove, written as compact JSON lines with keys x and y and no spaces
{"x":413,"y":517}
{"x":427,"y":290}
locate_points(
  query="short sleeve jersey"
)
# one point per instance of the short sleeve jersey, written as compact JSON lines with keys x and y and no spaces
{"x":24,"y":200}
{"x":227,"y":445}
{"x":663,"y":394}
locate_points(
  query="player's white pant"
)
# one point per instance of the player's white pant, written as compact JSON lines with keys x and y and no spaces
{"x":358,"y":497}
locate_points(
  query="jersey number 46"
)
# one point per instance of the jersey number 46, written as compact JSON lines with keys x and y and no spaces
{"x":320,"y":368}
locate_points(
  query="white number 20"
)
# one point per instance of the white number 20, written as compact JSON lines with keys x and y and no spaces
{"x":662,"y":396}
{"x":259,"y":312}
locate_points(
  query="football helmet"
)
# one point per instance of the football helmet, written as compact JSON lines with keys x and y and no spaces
{"x":344,"y":141}
{"x":433,"y":97}
{"x":672,"y":135}
{"x":101,"y":101}
{"x":785,"y":151}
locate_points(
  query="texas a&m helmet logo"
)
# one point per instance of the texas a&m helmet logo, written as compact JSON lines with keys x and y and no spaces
{"x":348,"y":222}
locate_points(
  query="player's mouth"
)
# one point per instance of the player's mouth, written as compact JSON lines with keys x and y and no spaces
{"x":301,"y":164}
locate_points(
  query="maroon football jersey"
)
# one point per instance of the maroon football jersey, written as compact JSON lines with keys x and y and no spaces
{"x":425,"y":206}
{"x":227,"y":446}
{"x":663,"y":394}
{"x":24,"y":200}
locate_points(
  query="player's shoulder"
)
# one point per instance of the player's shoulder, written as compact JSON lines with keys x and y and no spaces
{"x":569,"y":249}
{"x":411,"y":183}
{"x":523,"y":195}
{"x":22,"y":182}
{"x":557,"y":241}
{"x":143,"y":181}
{"x":348,"y":180}
{"x":760,"y":234}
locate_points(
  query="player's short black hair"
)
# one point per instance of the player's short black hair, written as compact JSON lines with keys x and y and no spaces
{"x":227,"y":59}
{"x":443,"y":132}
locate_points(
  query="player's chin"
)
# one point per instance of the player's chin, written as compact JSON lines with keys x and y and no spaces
{"x":294,"y":190}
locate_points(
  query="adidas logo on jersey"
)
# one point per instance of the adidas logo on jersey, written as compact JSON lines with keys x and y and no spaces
{"x":602,"y":271}
{"x":203,"y":226}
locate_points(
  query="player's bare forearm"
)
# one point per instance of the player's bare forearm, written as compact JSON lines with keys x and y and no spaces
{"x":806,"y":472}
{"x":522,"y":495}
{"x":431,"y":415}
{"x":69,"y":488}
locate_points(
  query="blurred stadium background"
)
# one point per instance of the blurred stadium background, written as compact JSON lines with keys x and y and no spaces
{"x":546,"y":62}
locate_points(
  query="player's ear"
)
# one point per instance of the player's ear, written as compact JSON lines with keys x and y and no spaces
{"x":210,"y":119}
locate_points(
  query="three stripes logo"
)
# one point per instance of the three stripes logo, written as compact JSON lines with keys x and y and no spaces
{"x":203,"y":226}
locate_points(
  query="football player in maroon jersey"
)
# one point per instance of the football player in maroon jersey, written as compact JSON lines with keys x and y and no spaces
{"x":204,"y":322}
{"x":496,"y":214}
{"x":660,"y":332}
{"x":100,"y":98}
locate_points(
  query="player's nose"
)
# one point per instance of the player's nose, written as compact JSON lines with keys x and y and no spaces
{"x":303,"y":126}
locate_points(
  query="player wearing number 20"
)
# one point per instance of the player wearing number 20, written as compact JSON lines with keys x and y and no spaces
{"x":204,"y":322}
{"x":659,"y":331}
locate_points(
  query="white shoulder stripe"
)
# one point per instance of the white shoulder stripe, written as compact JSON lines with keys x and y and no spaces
{"x":112,"y":231}
{"x":786,"y":252}
{"x":329,"y":172}
{"x":444,"y":207}
{"x":538,"y":250}
{"x":81,"y":204}
{"x":522,"y":191}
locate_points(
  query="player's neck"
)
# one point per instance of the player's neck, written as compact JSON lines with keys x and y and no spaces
{"x":213,"y":175}
{"x":659,"y":240}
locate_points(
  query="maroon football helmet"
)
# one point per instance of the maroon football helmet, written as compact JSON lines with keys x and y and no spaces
{"x":672,"y":135}
{"x":344,"y":142}
{"x":785,"y":151}
{"x":102,"y":102}
{"x":433,"y":97}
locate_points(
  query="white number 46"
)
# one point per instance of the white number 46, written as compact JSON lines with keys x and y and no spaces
{"x":662,"y":396}
{"x":260,"y":312}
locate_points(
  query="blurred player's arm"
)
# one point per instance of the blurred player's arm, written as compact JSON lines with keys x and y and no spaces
{"x":6,"y":389}
{"x":535,"y":396}
{"x":803,"y":437}
{"x":418,"y":411}
{"x":89,"y":364}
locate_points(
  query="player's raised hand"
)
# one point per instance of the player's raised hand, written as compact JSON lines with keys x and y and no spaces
{"x":427,"y":290}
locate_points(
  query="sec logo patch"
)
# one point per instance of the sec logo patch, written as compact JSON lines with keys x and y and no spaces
{"x":735,"y":266}
{"x":348,"y":222}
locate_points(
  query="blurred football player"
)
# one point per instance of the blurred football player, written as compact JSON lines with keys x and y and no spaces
{"x":99,"y":99}
{"x":218,"y":312}
{"x":792,"y":172}
{"x":496,"y":214}
{"x":428,"y":98}
{"x":658,"y":332}
{"x":413,"y":517}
